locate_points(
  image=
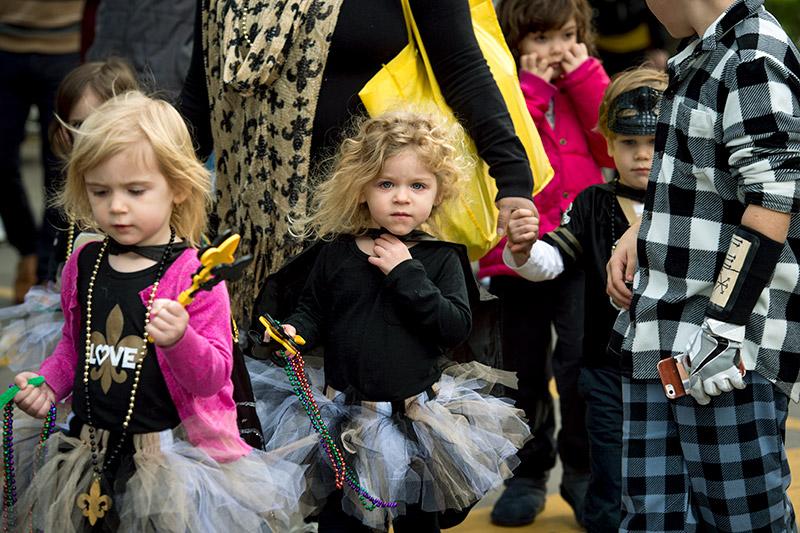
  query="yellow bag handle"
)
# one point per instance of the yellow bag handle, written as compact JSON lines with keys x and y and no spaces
{"x":408,"y":79}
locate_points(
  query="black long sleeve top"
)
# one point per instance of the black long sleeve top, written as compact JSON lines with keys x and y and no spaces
{"x":591,"y":226}
{"x":368,"y":34}
{"x":383,"y":333}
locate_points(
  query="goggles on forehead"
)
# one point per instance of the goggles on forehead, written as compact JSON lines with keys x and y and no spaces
{"x":635,"y":112}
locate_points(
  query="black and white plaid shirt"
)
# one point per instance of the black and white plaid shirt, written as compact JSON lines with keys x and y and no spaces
{"x":728,"y":136}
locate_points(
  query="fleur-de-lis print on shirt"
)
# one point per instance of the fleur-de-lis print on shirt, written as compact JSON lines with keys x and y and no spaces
{"x":110,"y":356}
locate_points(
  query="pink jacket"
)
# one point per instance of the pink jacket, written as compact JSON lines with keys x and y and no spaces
{"x":197,"y":369}
{"x":576,"y":151}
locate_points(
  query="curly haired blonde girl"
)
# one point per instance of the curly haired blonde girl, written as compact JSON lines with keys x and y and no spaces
{"x":338,"y":206}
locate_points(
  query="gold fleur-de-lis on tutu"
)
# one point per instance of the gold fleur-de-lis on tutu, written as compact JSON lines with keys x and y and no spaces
{"x":94,"y":504}
{"x":107,"y":372}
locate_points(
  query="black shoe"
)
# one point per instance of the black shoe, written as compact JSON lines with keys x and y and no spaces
{"x":574,"y":485}
{"x":521,"y":502}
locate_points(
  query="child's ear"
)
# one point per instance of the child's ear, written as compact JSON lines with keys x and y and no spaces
{"x":610,"y":147}
{"x":179,"y":197}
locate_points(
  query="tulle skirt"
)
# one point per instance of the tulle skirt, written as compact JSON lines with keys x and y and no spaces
{"x":166,"y":485}
{"x":30,"y":331}
{"x":444,"y":452}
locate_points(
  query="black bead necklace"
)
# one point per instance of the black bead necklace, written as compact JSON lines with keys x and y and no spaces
{"x":94,"y":504}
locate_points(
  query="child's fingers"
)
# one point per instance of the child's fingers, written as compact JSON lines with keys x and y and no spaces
{"x":21,"y":379}
{"x":521,"y":213}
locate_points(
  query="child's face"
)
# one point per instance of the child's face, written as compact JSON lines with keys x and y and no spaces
{"x":551,"y":44}
{"x":87,"y":103}
{"x":403,"y":195}
{"x":633,"y":157}
{"x":130,"y":198}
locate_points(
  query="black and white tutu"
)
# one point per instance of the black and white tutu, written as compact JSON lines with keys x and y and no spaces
{"x":444,"y":452}
{"x":167,"y":485}
{"x":30,"y":331}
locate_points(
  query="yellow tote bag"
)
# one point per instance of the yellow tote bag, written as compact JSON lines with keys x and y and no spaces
{"x":408,"y":78}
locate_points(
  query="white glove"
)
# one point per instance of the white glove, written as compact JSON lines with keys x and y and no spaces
{"x":713,"y":359}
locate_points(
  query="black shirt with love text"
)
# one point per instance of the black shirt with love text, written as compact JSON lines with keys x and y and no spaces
{"x":116,"y":338}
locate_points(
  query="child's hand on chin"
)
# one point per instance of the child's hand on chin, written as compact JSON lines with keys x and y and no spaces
{"x":35,"y":401}
{"x":168,"y":322}
{"x":389,"y":252}
{"x":574,"y":57}
{"x":538,"y":67}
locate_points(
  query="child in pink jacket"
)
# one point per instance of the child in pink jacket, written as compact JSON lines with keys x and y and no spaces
{"x":563,"y":86}
{"x":153,"y":442}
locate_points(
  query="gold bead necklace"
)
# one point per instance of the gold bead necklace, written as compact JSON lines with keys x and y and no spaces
{"x":94,"y":504}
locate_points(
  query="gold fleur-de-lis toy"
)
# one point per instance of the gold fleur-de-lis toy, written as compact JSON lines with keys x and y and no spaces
{"x":217,"y":264}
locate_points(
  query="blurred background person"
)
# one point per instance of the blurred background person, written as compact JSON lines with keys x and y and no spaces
{"x":39,"y":45}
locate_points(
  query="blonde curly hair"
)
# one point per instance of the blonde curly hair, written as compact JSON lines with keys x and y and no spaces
{"x":338,"y":207}
{"x":135,"y":121}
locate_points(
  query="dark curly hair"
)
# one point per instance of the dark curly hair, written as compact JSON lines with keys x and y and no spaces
{"x":518,"y":18}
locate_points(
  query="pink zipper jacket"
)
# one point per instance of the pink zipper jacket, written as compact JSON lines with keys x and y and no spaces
{"x":196,"y":369}
{"x":575,"y":149}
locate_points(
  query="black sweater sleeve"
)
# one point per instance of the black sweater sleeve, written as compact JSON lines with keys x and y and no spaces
{"x":193,"y":102}
{"x":309,"y":314}
{"x":467,"y":85}
{"x":440,"y":306}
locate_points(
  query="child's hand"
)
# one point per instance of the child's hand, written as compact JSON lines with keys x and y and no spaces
{"x":34,"y":401}
{"x":523,"y":230}
{"x":574,"y":57}
{"x":389,"y":252}
{"x":538,"y":67}
{"x":287,"y":328}
{"x":168,"y":321}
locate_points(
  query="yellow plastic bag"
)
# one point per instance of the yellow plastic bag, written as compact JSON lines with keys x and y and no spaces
{"x":409,"y":78}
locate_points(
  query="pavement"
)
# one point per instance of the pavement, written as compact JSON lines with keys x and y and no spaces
{"x":557,"y":516}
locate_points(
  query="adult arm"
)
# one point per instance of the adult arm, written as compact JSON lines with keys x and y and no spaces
{"x":193,"y":101}
{"x":467,"y":85}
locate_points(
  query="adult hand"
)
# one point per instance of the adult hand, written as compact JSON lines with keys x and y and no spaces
{"x":540,"y":68}
{"x":35,"y":401}
{"x":621,"y":268}
{"x":712,"y":358}
{"x":168,"y":322}
{"x":523,"y":231}
{"x":506,"y":206}
{"x":574,"y":56}
{"x":389,"y":252}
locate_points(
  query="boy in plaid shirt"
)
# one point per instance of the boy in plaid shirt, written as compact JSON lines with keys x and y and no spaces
{"x":717,"y":290}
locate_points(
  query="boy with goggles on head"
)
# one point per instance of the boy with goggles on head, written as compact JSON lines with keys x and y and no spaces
{"x":588,"y":233}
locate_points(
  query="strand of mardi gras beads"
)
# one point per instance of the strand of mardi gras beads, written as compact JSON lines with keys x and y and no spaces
{"x":9,"y":477}
{"x":295,"y":371}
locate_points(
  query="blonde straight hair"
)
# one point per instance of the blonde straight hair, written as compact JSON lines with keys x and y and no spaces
{"x":133,"y":121}
{"x":338,"y":207}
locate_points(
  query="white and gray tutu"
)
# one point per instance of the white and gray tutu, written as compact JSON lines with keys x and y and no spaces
{"x":444,"y":452}
{"x":168,"y":485}
{"x":30,"y":331}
